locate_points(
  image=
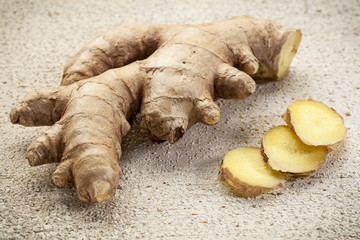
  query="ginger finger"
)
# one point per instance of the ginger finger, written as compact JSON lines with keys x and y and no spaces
{"x":232,"y":83}
{"x":63,"y":176}
{"x":275,"y":50}
{"x":41,"y":107}
{"x":208,"y":112}
{"x":115,"y":48}
{"x":94,"y":123}
{"x":247,"y":61}
{"x":47,"y":147}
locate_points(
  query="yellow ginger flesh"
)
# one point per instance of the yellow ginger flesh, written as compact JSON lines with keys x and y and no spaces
{"x":315,"y":123}
{"x":247,"y":165}
{"x":287,"y":53}
{"x":287,"y":153}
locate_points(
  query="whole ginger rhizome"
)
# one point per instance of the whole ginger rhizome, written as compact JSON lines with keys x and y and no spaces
{"x":170,"y":74}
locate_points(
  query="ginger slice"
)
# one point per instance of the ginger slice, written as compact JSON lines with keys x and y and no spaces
{"x":315,"y":123}
{"x":245,"y":171}
{"x":287,"y":53}
{"x":284,"y":151}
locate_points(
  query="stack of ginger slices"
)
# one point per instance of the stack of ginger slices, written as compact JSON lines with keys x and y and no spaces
{"x":296,"y":150}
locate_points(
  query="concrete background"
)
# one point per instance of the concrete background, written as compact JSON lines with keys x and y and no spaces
{"x":172,"y":191}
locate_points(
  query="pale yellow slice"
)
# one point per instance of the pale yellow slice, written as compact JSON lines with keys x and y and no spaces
{"x":315,"y":123}
{"x":245,"y":171}
{"x":284,"y":151}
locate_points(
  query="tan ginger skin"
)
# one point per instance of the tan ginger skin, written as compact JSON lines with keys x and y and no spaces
{"x":171,"y":74}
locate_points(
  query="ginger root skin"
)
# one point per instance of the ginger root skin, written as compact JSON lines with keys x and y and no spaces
{"x":170,"y":74}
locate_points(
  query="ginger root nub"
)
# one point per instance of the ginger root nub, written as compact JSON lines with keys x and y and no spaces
{"x":47,"y":147}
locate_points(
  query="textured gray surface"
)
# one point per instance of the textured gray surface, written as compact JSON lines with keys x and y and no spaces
{"x":172,"y":191}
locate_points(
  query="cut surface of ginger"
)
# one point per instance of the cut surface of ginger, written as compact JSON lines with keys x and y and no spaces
{"x":284,"y":151}
{"x":245,"y":170}
{"x":315,"y":123}
{"x":287,"y":53}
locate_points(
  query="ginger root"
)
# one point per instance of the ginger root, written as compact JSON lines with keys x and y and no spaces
{"x":170,"y":74}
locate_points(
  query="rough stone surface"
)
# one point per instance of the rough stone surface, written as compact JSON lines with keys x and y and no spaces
{"x":173,"y":191}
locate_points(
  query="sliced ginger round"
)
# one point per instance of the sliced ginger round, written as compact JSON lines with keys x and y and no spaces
{"x":246,"y":172}
{"x":284,"y":151}
{"x":315,"y":123}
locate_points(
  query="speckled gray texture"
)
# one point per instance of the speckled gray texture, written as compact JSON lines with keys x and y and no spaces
{"x":172,"y":191}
